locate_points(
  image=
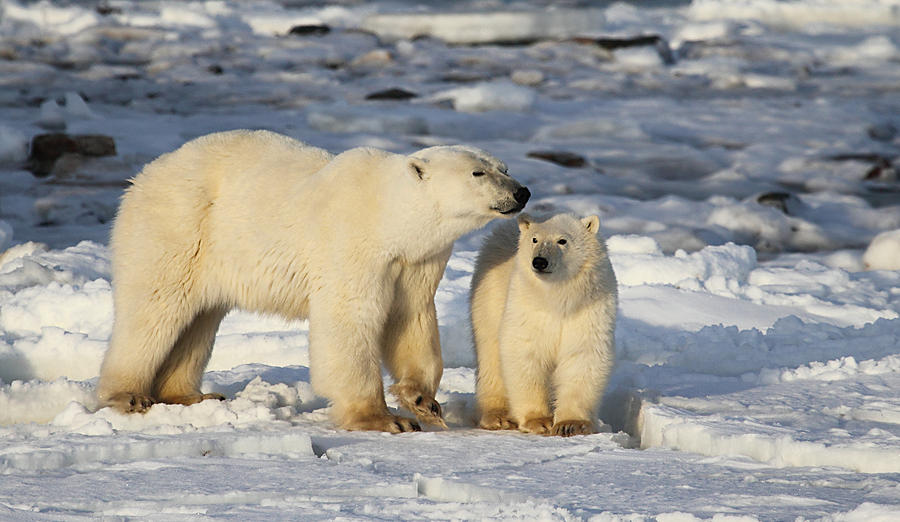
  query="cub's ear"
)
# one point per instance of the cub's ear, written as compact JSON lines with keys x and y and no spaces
{"x":417,"y":168}
{"x":591,"y":223}
{"x":525,"y":221}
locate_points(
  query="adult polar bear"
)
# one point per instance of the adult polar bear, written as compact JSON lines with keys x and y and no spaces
{"x":356,"y":242}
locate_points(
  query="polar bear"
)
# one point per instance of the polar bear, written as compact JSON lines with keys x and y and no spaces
{"x":356,"y":243}
{"x":543,"y":307}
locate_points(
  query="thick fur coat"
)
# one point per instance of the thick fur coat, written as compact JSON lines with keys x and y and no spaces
{"x":543,"y":307}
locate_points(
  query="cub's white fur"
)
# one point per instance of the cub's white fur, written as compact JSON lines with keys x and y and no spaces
{"x":357,"y":243}
{"x":543,"y":310}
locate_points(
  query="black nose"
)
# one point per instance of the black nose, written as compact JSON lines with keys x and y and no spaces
{"x":540,"y":263}
{"x":521,"y":196}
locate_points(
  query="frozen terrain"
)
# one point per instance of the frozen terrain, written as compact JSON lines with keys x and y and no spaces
{"x":741,"y":154}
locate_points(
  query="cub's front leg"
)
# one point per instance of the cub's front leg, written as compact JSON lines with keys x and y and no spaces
{"x":526,"y":369}
{"x":580,"y":377}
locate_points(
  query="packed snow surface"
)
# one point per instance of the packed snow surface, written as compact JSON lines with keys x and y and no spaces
{"x":741,"y":155}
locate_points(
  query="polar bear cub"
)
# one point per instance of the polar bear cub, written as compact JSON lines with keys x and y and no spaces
{"x":543,"y":307}
{"x":357,"y":243}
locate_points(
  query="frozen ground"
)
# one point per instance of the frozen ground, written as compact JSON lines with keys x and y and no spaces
{"x":742,"y":159}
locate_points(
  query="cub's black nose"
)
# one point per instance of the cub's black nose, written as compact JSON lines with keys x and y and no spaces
{"x":521,"y":196}
{"x":540,"y":263}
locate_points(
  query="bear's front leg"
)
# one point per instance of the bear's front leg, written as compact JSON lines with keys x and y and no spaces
{"x":411,"y":343}
{"x":345,"y":328}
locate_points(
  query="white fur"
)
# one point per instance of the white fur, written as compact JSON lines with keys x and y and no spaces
{"x":543,"y":335}
{"x":357,"y":243}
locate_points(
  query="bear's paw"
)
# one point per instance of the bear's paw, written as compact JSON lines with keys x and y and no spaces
{"x":537,"y":425}
{"x":127,"y":402}
{"x":568,"y":428}
{"x":387,"y":422}
{"x":497,"y":420}
{"x":426,"y":409}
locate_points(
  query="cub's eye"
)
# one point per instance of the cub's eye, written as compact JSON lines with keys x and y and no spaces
{"x":562,"y":241}
{"x":478,"y":173}
{"x":534,"y":240}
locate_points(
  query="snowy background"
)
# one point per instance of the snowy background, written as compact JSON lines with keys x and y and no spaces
{"x":741,"y":155}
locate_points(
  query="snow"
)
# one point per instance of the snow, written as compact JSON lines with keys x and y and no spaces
{"x":883,"y":253}
{"x":744,"y":169}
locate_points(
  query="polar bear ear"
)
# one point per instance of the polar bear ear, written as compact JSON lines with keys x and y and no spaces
{"x":417,"y":168}
{"x":525,"y":221}
{"x":591,"y":223}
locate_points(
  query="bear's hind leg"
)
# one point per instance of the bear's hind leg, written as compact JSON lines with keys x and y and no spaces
{"x":142,"y":337}
{"x":178,"y":379}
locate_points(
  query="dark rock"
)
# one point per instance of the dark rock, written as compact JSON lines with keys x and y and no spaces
{"x":46,"y":149}
{"x":310,"y":30}
{"x":95,"y":145}
{"x":392,"y":94}
{"x":562,"y":158}
{"x":614,"y":43}
{"x":882,"y":132}
{"x":215,"y":69}
{"x":867,"y":157}
{"x":882,"y":166}
{"x":778,"y":200}
{"x":104,"y":9}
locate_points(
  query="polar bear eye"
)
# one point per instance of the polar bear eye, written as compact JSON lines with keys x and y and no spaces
{"x":534,"y":240}
{"x":562,"y":241}
{"x":478,"y":173}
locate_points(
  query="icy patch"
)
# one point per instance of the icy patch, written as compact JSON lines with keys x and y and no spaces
{"x":6,"y":234}
{"x":799,"y":15}
{"x":840,"y":423}
{"x":487,"y":27}
{"x":13,"y":149}
{"x":495,"y":96}
{"x":106,"y":452}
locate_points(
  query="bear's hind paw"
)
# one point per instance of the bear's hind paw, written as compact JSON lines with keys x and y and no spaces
{"x":193,"y":398}
{"x":127,"y":402}
{"x":569,"y":428}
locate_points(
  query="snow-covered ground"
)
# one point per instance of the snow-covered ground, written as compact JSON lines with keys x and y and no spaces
{"x":742,"y":159}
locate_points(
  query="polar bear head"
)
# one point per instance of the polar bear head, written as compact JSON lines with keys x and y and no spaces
{"x":558,"y":247}
{"x":468,"y":184}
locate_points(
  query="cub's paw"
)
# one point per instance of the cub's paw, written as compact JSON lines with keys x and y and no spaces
{"x":128,"y":402}
{"x":425,"y":408}
{"x":387,"y":422}
{"x":497,"y":420}
{"x":193,"y":398}
{"x":537,"y":425}
{"x":568,"y":428}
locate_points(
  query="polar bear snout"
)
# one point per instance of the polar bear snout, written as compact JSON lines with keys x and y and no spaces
{"x":540,"y":263}
{"x":519,"y":197}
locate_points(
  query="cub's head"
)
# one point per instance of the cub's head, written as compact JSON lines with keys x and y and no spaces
{"x":468,"y":183}
{"x":558,"y":247}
